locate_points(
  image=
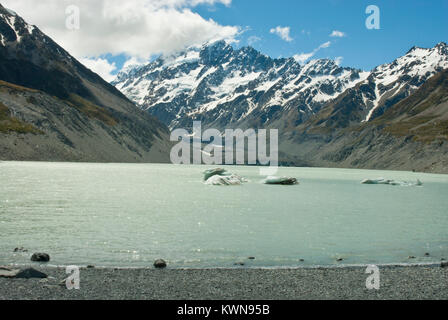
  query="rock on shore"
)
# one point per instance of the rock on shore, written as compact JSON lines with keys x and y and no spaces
{"x":40,"y":257}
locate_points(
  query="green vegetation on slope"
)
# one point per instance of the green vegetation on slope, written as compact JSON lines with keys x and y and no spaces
{"x":91,"y":110}
{"x":421,"y":115}
{"x":11,"y":124}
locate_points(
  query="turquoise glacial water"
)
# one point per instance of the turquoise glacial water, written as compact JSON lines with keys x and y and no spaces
{"x":128,"y":215}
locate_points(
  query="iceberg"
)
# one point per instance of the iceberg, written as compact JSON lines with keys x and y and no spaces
{"x":281,"y":181}
{"x":392,"y":182}
{"x":215,"y":172}
{"x":230,"y":180}
{"x":220,"y":177}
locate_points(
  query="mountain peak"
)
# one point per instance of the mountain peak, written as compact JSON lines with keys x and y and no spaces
{"x":215,"y":44}
{"x":6,"y":11}
{"x":441,"y":45}
{"x":216,"y":53}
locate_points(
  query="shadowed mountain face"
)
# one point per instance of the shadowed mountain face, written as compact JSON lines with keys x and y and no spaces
{"x":71,"y":113}
{"x":409,"y":135}
{"x":422,"y":116}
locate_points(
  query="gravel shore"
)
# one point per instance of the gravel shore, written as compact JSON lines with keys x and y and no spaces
{"x":404,"y":282}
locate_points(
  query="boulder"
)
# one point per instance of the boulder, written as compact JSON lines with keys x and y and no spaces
{"x":31,"y":273}
{"x":160,"y":264}
{"x":40,"y":257}
{"x":444,"y":264}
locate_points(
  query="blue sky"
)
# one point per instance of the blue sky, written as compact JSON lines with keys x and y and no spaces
{"x":403,"y":25}
{"x":115,"y":32}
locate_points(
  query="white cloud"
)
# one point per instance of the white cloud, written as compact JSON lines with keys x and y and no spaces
{"x":253,"y":39}
{"x":303,"y":57}
{"x":282,"y":32}
{"x":338,"y":60}
{"x":133,"y":62}
{"x":337,"y":34}
{"x":137,"y":28}
{"x":324,"y":45}
{"x":100,"y":66}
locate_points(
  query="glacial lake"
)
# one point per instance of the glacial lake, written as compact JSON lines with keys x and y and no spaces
{"x":128,"y":215}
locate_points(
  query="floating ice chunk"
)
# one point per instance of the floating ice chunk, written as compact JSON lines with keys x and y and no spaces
{"x":376,"y":181}
{"x":215,"y":172}
{"x":220,"y":177}
{"x":393,"y":182}
{"x":231,"y":180}
{"x":280,"y":180}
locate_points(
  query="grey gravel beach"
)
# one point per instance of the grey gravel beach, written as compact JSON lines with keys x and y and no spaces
{"x":346,"y":283}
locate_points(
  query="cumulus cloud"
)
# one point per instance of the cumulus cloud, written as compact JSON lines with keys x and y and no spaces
{"x":282,"y":32}
{"x":337,"y":34}
{"x":303,"y":57}
{"x":137,"y":28}
{"x":100,"y":66}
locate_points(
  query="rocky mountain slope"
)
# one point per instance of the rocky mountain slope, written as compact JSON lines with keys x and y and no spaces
{"x":410,"y":135}
{"x":228,"y":88}
{"x":225,"y":87}
{"x":53,"y":108}
{"x":326,"y":115}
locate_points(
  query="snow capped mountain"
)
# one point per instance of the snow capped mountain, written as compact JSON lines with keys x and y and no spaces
{"x":390,"y":83}
{"x":222,"y":86}
{"x":12,"y":27}
{"x":18,"y":38}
